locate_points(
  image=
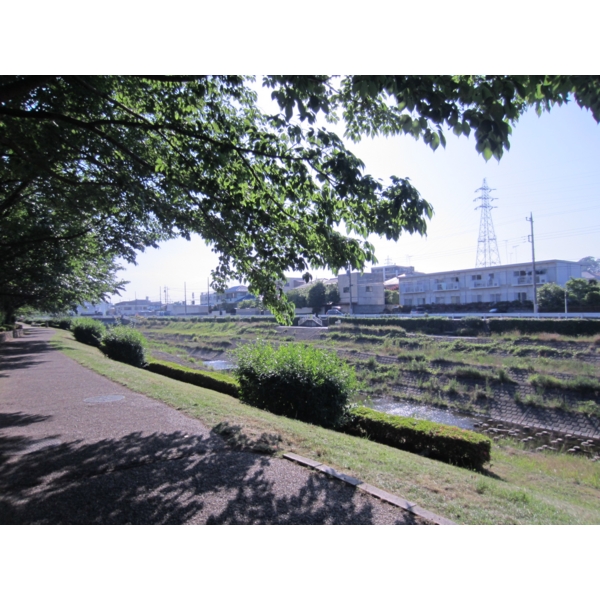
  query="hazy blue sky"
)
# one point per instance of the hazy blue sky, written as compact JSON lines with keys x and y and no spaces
{"x":552,"y":170}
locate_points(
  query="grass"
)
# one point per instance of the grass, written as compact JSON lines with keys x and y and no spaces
{"x":518,"y":488}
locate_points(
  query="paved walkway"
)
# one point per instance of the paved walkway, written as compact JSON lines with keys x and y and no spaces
{"x":77,"y":448}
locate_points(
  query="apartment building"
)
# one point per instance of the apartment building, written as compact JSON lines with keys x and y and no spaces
{"x":365,"y":292}
{"x":500,"y":283}
{"x":388,"y":271}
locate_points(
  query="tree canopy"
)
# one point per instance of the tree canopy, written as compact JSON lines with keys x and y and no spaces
{"x":582,"y":295}
{"x":98,"y":167}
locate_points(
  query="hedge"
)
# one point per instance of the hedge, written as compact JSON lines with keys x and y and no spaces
{"x":199,"y":378}
{"x":561,"y":326}
{"x":443,"y":442}
{"x":88,"y":331}
{"x":475,"y":325}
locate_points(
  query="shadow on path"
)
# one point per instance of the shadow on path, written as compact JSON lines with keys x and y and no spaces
{"x":18,"y":355}
{"x":167,"y":479}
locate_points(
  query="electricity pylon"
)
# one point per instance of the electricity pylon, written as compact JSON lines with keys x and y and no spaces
{"x":487,"y":246}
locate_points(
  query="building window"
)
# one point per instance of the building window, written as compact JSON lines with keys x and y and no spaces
{"x":346,"y":290}
{"x":476,"y":277}
{"x":408,"y":302}
{"x":368,"y":289}
{"x":495,"y":297}
{"x":521,"y":296}
{"x":439,"y":300}
{"x":455,"y":299}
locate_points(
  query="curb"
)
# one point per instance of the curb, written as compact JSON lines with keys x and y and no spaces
{"x":410,"y":507}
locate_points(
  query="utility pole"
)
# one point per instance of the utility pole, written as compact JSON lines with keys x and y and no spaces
{"x":350,"y":287}
{"x":565,"y":300}
{"x":184,"y":298}
{"x":535,"y":306}
{"x":159,"y":295}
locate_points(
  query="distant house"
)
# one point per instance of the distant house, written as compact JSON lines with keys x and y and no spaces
{"x":291,"y":283}
{"x":361,"y":293}
{"x":181,"y":309}
{"x":237,"y":293}
{"x":135,"y":307}
{"x":98,"y":309}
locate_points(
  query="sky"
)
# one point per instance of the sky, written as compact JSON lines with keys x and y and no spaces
{"x":551,"y":172}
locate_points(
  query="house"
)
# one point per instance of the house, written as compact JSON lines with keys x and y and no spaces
{"x":99,"y":309}
{"x":136,"y":307}
{"x":507,"y":283}
{"x":361,"y":293}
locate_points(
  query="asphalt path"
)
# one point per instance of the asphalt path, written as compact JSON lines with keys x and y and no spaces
{"x":77,"y":448}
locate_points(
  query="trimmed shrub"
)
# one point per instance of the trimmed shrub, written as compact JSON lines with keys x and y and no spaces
{"x":200,"y":378}
{"x":88,"y":331}
{"x":65,"y":323}
{"x":125,"y":345}
{"x":443,"y":442}
{"x":297,"y":381}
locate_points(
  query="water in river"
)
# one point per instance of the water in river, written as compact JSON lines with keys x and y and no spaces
{"x":218,"y":365}
{"x":422,"y":411}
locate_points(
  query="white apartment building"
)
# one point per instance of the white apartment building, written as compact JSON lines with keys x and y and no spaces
{"x":500,"y":283}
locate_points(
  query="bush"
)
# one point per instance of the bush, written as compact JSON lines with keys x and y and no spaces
{"x":443,"y":442}
{"x":214,"y":382}
{"x":296,"y":381}
{"x":125,"y":345}
{"x":65,"y":323}
{"x":88,"y":331}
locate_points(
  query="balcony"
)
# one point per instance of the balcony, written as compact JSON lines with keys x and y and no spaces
{"x":491,"y":283}
{"x":528,"y":280}
{"x":440,"y":287}
{"x":413,"y":289}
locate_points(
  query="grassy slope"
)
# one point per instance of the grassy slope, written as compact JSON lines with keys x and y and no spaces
{"x":519,"y":488}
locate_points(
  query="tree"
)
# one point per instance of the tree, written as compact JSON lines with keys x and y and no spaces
{"x":551,"y":297}
{"x":317,"y":297}
{"x":392,"y":297}
{"x":332,"y":294}
{"x":126,"y":162}
{"x":583,"y":293}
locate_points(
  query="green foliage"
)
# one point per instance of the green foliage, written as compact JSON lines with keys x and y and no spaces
{"x":125,"y":345}
{"x":442,"y":442}
{"x":317,"y":297}
{"x":582,"y":295}
{"x":578,"y":384}
{"x":88,"y":331}
{"x":297,"y":381}
{"x":571,"y":327}
{"x":551,"y":298}
{"x":65,"y":323}
{"x":211,"y":381}
{"x":332,"y":293}
{"x":392,"y":297}
{"x":248,"y":304}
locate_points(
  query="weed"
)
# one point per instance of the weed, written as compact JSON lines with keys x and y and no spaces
{"x":451,"y":387}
